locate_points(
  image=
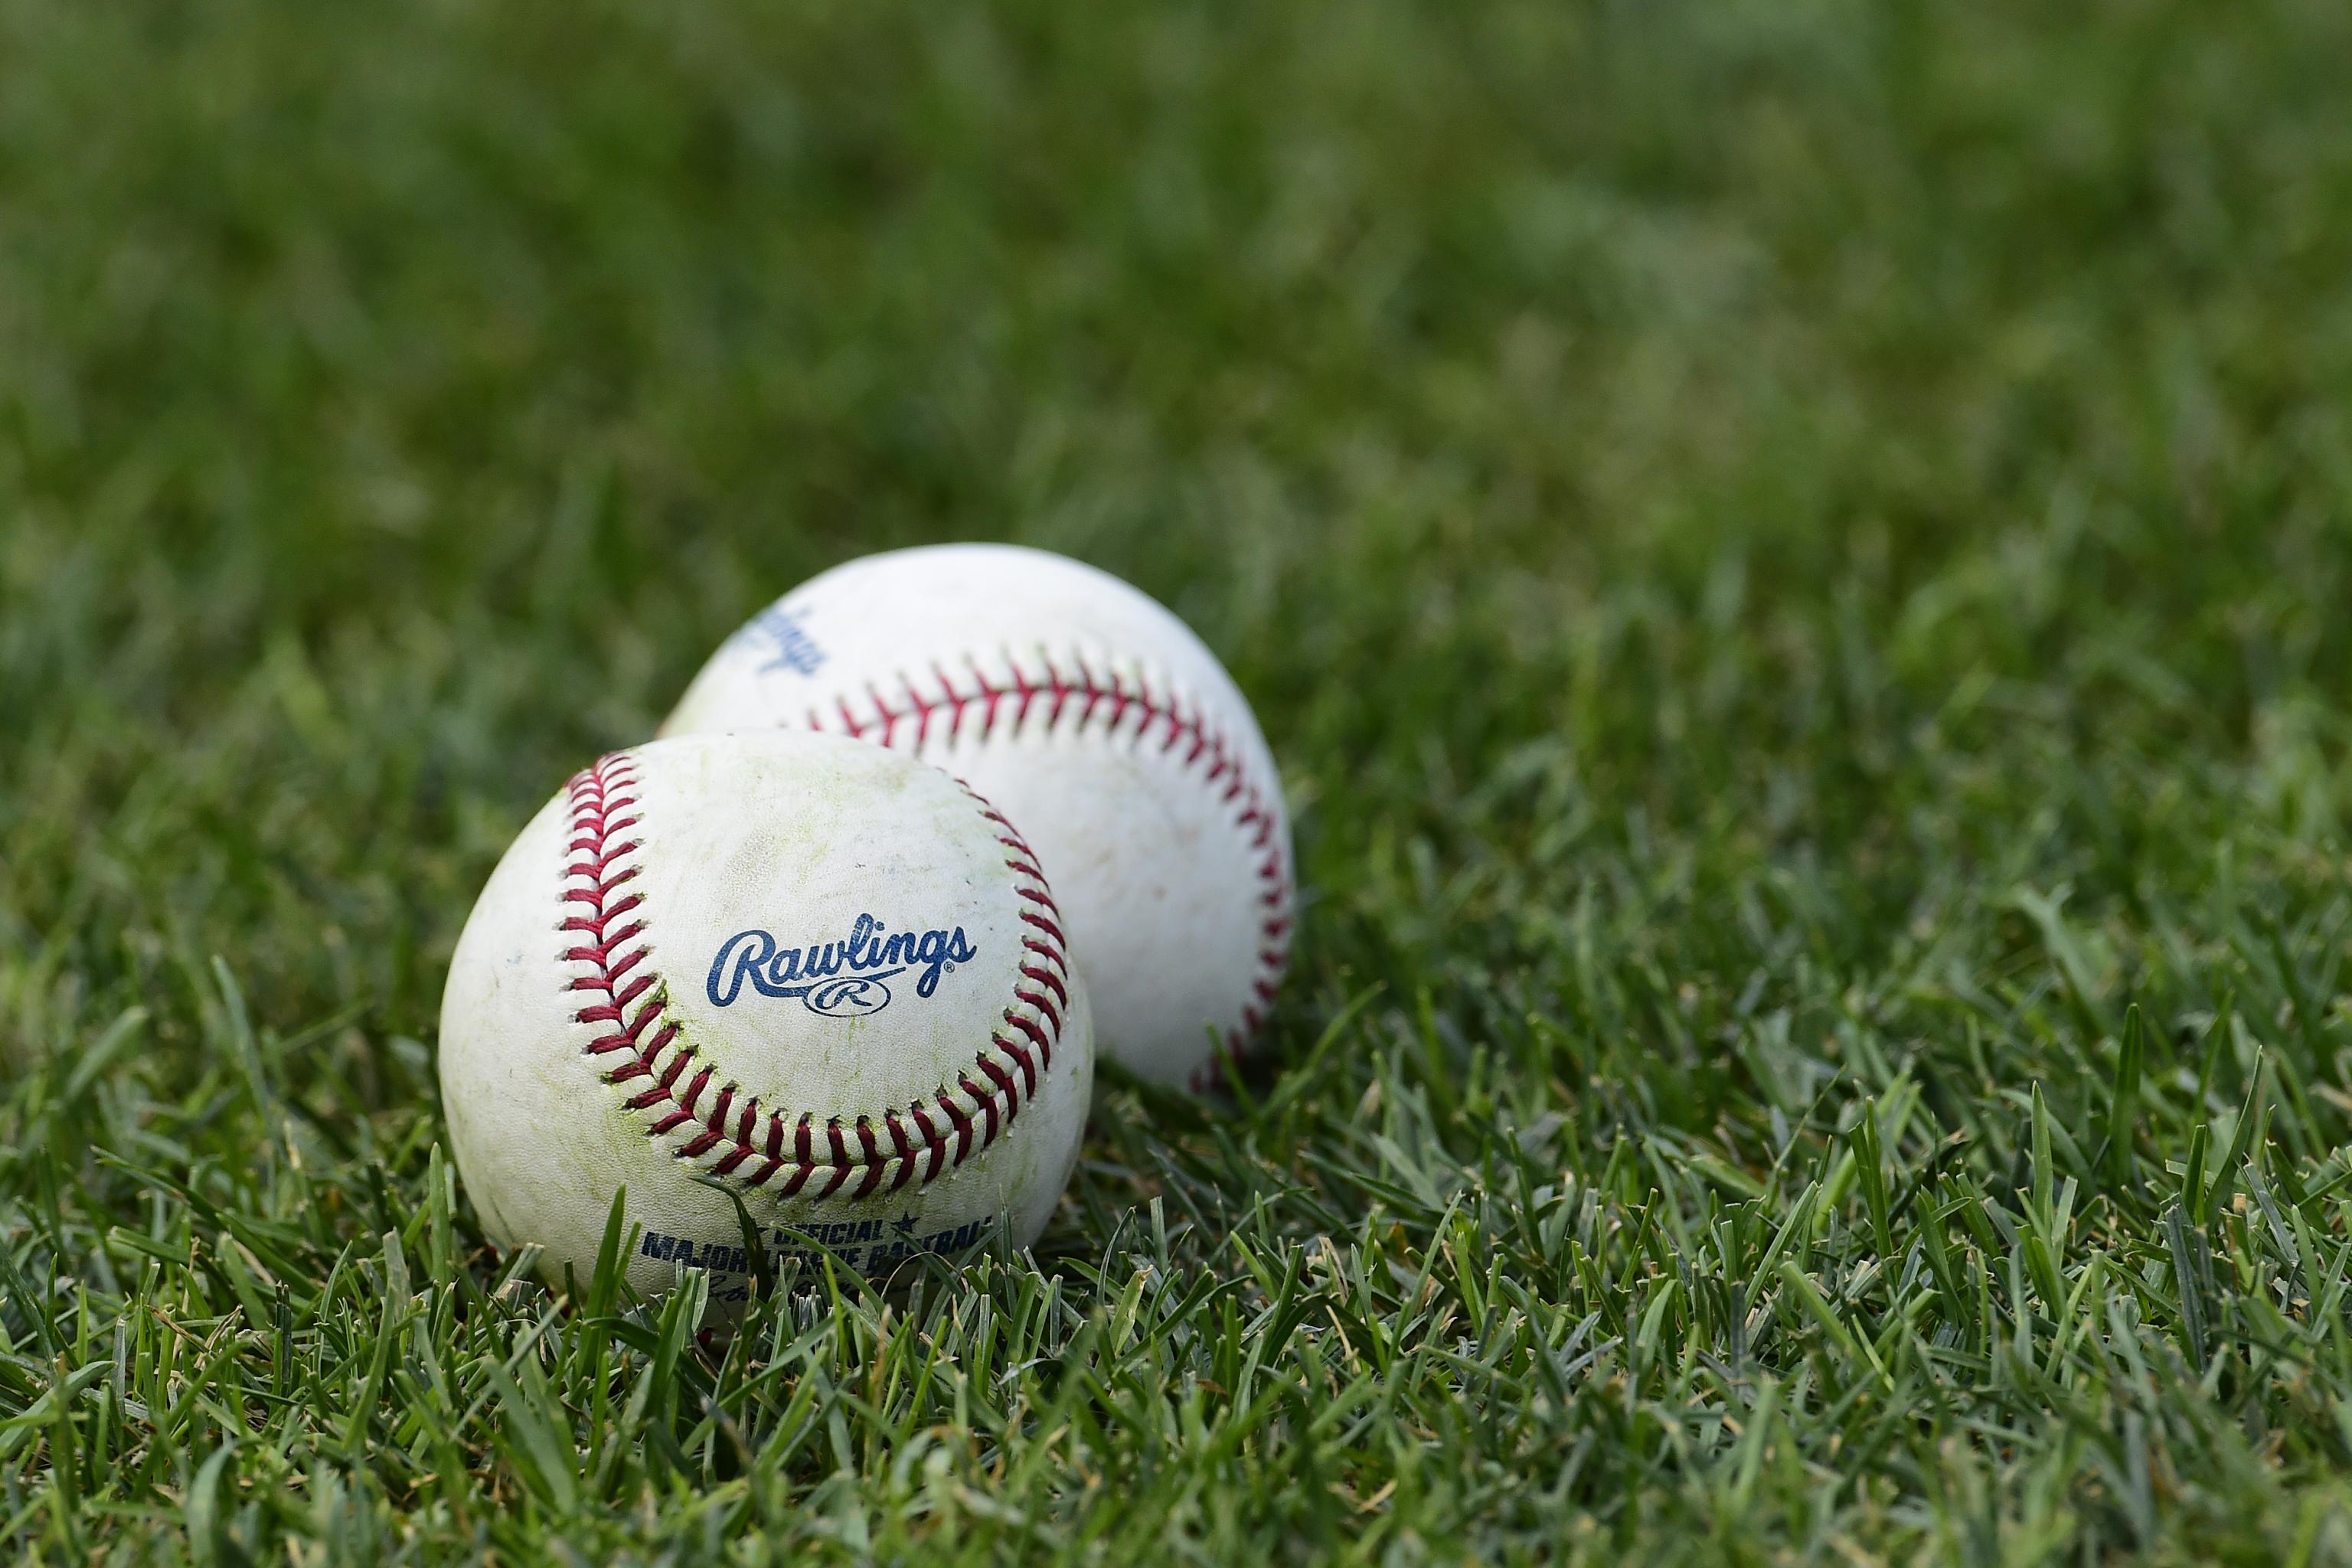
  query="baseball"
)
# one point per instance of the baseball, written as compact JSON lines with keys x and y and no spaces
{"x":828,"y":976}
{"x":1093,"y":718}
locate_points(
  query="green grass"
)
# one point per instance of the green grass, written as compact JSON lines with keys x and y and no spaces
{"x":1794,"y":556}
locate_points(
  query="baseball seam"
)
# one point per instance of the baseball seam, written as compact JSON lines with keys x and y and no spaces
{"x":1118,"y":700}
{"x":688,"y":1097}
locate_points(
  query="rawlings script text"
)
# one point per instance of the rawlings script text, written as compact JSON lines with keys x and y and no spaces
{"x":786,"y":641}
{"x":836,"y":979}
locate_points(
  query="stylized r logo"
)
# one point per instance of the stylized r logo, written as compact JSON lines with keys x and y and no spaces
{"x":848,"y":998}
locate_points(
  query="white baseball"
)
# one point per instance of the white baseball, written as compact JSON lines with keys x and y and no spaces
{"x":828,"y":976}
{"x":1097,"y":722}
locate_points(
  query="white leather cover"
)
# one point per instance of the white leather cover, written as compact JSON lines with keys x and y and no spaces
{"x":1095,"y":719}
{"x":823,"y":973}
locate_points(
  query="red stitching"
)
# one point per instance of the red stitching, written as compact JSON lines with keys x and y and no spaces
{"x":602,"y":803}
{"x":1210,"y":749}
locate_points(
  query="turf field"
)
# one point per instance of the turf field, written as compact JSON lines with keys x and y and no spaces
{"x":1794,"y":555}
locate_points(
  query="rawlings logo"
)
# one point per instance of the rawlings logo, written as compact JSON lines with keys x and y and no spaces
{"x":788,"y":643}
{"x":835,"y":979}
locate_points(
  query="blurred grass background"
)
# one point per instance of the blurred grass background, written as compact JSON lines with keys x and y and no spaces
{"x":1793,"y":556}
